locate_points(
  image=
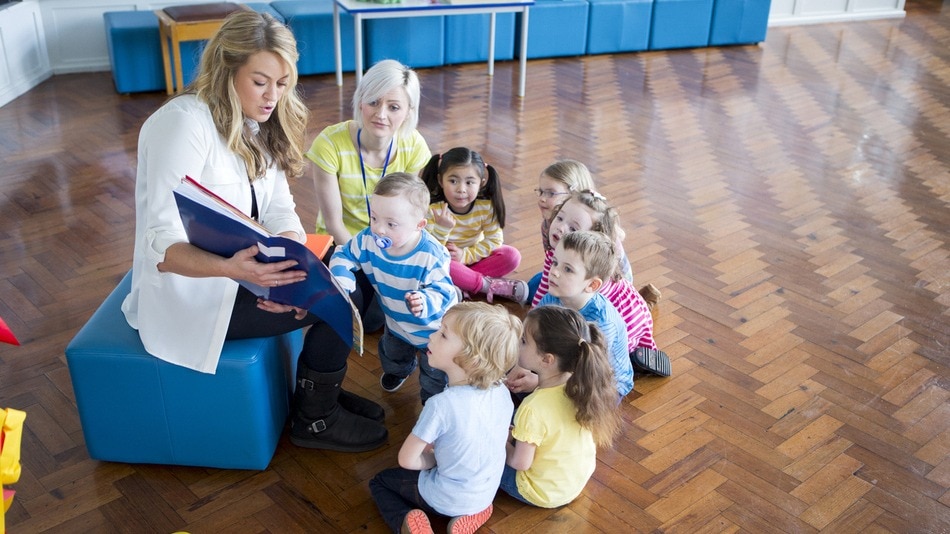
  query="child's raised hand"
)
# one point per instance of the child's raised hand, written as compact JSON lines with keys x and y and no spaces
{"x":415,"y":302}
{"x":521,"y":380}
{"x":454,"y":251}
{"x":443,"y":216}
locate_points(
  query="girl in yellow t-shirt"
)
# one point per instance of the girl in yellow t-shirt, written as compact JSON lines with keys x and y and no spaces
{"x":557,"y":428}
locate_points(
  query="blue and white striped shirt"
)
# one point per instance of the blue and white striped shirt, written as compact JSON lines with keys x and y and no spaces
{"x":425,"y":269}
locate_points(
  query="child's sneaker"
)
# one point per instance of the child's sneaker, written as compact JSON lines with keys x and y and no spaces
{"x":391,"y":383}
{"x":509,"y":288}
{"x":468,"y":524}
{"x":416,"y":522}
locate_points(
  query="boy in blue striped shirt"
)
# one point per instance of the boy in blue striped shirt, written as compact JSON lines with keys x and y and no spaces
{"x":409,"y":269}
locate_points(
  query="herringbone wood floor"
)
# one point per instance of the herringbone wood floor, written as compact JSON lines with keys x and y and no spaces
{"x":790,"y":199}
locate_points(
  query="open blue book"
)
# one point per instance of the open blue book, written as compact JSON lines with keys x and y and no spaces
{"x":214,"y":225}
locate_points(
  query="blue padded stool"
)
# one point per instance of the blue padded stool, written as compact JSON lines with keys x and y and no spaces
{"x":618,"y":26}
{"x":739,"y":21}
{"x":555,"y":28}
{"x":264,"y":7}
{"x":466,"y":37}
{"x":134,"y":53}
{"x":137,"y":408}
{"x":413,"y":41}
{"x":311,"y":21}
{"x":680,"y":23}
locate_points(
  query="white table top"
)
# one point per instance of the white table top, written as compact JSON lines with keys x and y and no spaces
{"x":357,"y":6}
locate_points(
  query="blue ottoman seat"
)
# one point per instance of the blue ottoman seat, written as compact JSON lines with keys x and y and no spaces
{"x":413,"y":41}
{"x":739,"y":21}
{"x":555,"y":28}
{"x":135,"y":53}
{"x":466,"y":37}
{"x":680,"y":23}
{"x":136,"y":408}
{"x":619,"y":26}
{"x":311,"y":21}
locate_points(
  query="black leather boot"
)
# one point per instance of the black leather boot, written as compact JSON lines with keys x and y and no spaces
{"x":320,"y":422}
{"x":362,"y":406}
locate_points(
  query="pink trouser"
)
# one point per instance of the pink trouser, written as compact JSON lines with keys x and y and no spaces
{"x":502,"y":261}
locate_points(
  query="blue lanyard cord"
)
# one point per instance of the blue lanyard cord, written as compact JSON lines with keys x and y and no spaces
{"x":359,"y":150}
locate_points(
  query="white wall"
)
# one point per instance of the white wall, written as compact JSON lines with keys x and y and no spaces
{"x":792,"y":12}
{"x":76,"y":34}
{"x":24,"y":62}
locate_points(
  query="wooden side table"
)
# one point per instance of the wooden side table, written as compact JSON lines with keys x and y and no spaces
{"x":187,"y":23}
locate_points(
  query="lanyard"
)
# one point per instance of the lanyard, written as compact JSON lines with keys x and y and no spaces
{"x":359,"y":150}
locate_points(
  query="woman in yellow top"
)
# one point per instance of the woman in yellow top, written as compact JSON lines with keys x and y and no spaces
{"x":351,"y":156}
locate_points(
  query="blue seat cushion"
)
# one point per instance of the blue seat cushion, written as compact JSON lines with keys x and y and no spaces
{"x":136,"y":408}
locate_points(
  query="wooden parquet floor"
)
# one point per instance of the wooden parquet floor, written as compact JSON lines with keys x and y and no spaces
{"x":790,"y":200}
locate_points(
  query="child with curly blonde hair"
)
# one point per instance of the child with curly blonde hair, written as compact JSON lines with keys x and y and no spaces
{"x":451,"y":462}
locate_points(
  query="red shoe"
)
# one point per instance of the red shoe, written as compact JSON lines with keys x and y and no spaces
{"x":416,"y":522}
{"x":468,"y":524}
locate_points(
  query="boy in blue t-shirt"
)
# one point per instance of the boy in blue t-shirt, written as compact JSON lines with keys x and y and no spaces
{"x":582,"y":261}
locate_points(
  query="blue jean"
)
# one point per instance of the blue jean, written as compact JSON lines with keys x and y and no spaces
{"x":399,"y":358}
{"x":509,"y":485}
{"x":396,"y":492}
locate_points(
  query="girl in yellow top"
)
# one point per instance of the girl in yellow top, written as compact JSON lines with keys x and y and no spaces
{"x":467,"y":214}
{"x":553,"y":451}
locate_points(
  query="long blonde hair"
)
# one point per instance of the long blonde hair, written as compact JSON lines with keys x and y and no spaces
{"x":281,"y":138}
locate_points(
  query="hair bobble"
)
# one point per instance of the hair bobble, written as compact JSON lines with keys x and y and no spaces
{"x":597,"y":196}
{"x":580,"y":342}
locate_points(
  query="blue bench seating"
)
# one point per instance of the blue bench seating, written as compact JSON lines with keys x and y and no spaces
{"x":136,"y":408}
{"x":555,"y":28}
{"x":680,"y":23}
{"x":414,"y":41}
{"x":466,"y":38}
{"x":618,"y":26}
{"x":311,"y":21}
{"x":739,"y":22}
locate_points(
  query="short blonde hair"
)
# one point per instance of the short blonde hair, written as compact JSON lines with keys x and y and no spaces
{"x":490,"y":337}
{"x":596,"y":250}
{"x":407,"y":186}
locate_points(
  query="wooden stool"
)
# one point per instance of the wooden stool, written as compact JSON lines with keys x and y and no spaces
{"x":195,"y":22}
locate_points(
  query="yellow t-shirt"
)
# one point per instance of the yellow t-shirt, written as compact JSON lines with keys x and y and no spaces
{"x":566,"y":454}
{"x":334,"y":152}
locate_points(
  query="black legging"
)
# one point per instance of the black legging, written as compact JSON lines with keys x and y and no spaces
{"x":323,"y":350}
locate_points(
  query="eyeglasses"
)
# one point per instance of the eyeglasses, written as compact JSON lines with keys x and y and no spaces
{"x":547,"y":193}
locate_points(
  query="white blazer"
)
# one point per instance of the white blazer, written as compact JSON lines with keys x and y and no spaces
{"x":184,"y":320}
